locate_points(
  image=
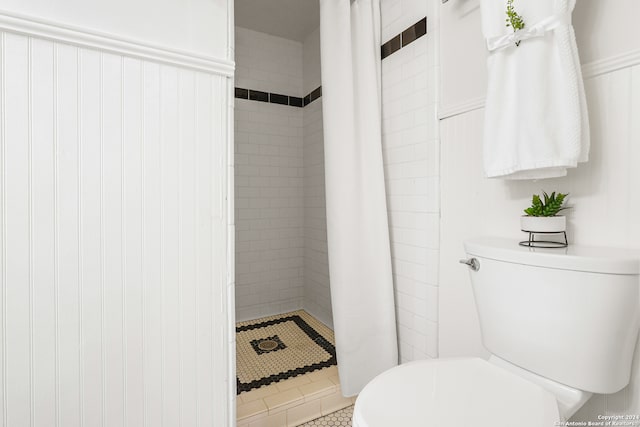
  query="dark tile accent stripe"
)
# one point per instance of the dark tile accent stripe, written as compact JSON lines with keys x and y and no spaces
{"x":242,"y":93}
{"x":414,"y":32}
{"x":391,"y":46}
{"x":276,"y":98}
{"x":315,"y":94}
{"x":256,"y":95}
{"x":409,"y":35}
{"x":294,"y":101}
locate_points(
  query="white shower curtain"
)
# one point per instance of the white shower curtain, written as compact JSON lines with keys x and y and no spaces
{"x":357,"y":226}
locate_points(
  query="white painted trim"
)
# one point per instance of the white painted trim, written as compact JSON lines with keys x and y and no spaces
{"x":589,"y":70}
{"x":231,"y":250}
{"x":611,"y":64}
{"x":462,"y":107}
{"x":90,"y":39}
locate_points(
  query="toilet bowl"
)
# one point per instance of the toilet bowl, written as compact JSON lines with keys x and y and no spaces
{"x":453,"y":392}
{"x":560,"y":325}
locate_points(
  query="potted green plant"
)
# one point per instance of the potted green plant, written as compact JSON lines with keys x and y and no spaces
{"x":542,"y":216}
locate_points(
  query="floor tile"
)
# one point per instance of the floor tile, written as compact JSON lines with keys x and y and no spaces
{"x":340,"y":418}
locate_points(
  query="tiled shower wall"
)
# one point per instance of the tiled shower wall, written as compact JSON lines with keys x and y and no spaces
{"x":269,"y":178}
{"x":410,"y":148}
{"x":411,"y":157}
{"x":317,"y":296}
{"x":281,"y":249}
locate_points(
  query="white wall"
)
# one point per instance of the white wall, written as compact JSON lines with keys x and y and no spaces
{"x":115,"y":232}
{"x":604,"y":30}
{"x":268,"y":63}
{"x":603,"y":192}
{"x":269,"y":178}
{"x":311,"y":62}
{"x":194,"y":26}
{"x":410,"y":153}
{"x":317,"y":292}
{"x":398,"y":15}
{"x":282,"y":260}
{"x":462,"y":54}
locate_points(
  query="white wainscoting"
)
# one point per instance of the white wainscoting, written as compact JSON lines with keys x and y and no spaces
{"x":115,"y":239}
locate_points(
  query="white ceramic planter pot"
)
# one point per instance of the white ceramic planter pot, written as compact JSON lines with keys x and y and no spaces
{"x":543,"y":224}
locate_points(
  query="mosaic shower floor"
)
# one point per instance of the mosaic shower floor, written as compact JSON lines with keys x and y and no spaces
{"x":286,"y":371}
{"x":279,"y":347}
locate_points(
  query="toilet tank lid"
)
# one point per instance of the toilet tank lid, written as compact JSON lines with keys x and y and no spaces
{"x":574,"y":257}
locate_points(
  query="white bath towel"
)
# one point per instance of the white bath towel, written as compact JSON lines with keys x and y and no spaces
{"x":536,"y":123}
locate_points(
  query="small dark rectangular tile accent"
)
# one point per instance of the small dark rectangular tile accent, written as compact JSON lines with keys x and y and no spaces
{"x":256,"y":95}
{"x":294,"y":101}
{"x":276,"y":98}
{"x":391,"y":46}
{"x":242,"y":93}
{"x":315,"y":94}
{"x":414,"y":32}
{"x":307,"y":100}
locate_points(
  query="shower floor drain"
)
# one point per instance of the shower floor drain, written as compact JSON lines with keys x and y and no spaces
{"x":267,"y":345}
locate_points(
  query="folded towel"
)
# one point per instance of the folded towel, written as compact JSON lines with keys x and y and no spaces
{"x":536,"y":123}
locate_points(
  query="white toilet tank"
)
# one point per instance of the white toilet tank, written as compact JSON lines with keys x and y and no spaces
{"x":571,"y":315}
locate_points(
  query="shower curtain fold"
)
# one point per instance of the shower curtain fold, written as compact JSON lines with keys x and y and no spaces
{"x":357,"y":227}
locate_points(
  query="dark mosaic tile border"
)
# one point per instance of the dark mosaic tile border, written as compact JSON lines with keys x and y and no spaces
{"x":311,"y":333}
{"x":406,"y":37}
{"x":396,"y":43}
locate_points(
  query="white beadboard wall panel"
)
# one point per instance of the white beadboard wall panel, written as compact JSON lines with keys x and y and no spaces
{"x":17,"y":232}
{"x":151,"y":249}
{"x":610,"y":178}
{"x":207,"y":335}
{"x":186,"y":219}
{"x":67,"y":191}
{"x":169,"y":243}
{"x":91,"y":231}
{"x":43,"y":232}
{"x":112,"y":238}
{"x":114,"y":274}
{"x":132,"y":208}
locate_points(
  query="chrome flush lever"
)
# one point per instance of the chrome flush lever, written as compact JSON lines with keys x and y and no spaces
{"x":473,"y":263}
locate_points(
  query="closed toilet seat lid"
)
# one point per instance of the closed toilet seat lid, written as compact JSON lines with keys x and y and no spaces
{"x":453,"y":393}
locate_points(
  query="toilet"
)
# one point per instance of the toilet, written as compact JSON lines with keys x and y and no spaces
{"x":560,"y":324}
